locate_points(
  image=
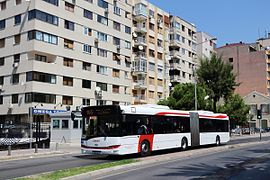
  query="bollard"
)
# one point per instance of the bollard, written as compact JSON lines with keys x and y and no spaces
{"x":43,"y":146}
{"x":56,"y":146}
{"x":36,"y":148}
{"x":9,"y":151}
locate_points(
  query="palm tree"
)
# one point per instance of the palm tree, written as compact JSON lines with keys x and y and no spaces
{"x":217,"y":77}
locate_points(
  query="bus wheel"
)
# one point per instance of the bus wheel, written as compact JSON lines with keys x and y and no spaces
{"x":145,"y":148}
{"x":218,"y":141}
{"x":184,"y":144}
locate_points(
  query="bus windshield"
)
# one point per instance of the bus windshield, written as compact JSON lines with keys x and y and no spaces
{"x":102,"y":126}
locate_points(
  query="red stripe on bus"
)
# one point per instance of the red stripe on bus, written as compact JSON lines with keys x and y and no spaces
{"x":185,"y":114}
{"x":147,"y":137}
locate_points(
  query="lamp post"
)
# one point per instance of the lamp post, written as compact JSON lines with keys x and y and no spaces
{"x":194,"y":74}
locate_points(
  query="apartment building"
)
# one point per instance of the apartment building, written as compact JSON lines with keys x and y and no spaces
{"x":206,"y":44}
{"x":250,"y":64}
{"x":58,"y":55}
{"x":182,"y":47}
{"x":150,"y":49}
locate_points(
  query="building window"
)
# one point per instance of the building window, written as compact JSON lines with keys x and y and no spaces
{"x":127,"y":30}
{"x":116,"y":41}
{"x":160,"y":82}
{"x":87,"y":31}
{"x":86,"y":102}
{"x":87,"y":14}
{"x":2,"y":24}
{"x":45,"y":17}
{"x":103,"y":86}
{"x":16,"y":58}
{"x":68,"y":62}
{"x":231,"y":60}
{"x":152,"y":26}
{"x":17,"y":19}
{"x":15,"y":78}
{"x":115,"y":89}
{"x":69,"y":25}
{"x":87,"y":48}
{"x":151,"y":66}
{"x":117,"y":26}
{"x":56,"y":124}
{"x":69,"y":44}
{"x":86,"y":84}
{"x":40,"y":58}
{"x":41,"y":36}
{"x":17,"y":2}
{"x":151,"y":94}
{"x":65,"y":124}
{"x":127,"y":45}
{"x":15,"y":98}
{"x":102,"y":4}
{"x":102,"y":70}
{"x":116,"y":73}
{"x":159,"y":43}
{"x":102,"y":36}
{"x":151,"y":53}
{"x":67,"y":81}
{"x":90,"y":1}
{"x":3,"y":5}
{"x":151,"y":80}
{"x":54,"y":2}
{"x":69,"y":7}
{"x":67,"y":100}
{"x":1,"y":99}
{"x":2,"y":61}
{"x":40,"y":97}
{"x":2,"y":43}
{"x":159,"y":55}
{"x":17,"y":39}
{"x":102,"y":52}
{"x":41,"y":77}
{"x":102,"y":20}
{"x":117,"y":10}
{"x":117,"y":58}
{"x":86,"y":66}
{"x":1,"y":80}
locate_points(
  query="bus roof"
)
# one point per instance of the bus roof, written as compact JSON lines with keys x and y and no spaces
{"x":165,"y":110}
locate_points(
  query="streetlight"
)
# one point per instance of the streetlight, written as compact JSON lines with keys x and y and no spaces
{"x":194,"y":74}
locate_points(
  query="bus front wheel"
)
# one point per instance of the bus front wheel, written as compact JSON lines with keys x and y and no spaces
{"x":184,"y":144}
{"x":145,"y":148}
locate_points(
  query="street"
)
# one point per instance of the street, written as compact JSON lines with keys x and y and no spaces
{"x":19,"y":168}
{"x":244,"y":163}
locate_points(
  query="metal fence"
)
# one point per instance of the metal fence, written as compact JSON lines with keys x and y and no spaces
{"x":19,"y":135}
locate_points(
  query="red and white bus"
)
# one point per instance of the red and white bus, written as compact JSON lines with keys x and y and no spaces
{"x":120,"y":130}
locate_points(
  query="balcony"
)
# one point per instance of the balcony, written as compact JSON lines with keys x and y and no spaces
{"x":175,"y":54}
{"x":175,"y":78}
{"x":176,"y":66}
{"x":140,"y":41}
{"x":175,"y":43}
{"x":140,"y":99}
{"x":140,"y":28}
{"x":140,"y":84}
{"x":140,"y":12}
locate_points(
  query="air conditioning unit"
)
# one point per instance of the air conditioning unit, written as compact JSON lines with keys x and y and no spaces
{"x":1,"y":88}
{"x":15,"y":65}
{"x":98,"y":93}
{"x":118,"y":47}
{"x":106,"y":10}
{"x":96,"y":40}
{"x":10,"y":106}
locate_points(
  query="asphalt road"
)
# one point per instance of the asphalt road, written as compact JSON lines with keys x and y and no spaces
{"x":19,"y":168}
{"x":243,"y":163}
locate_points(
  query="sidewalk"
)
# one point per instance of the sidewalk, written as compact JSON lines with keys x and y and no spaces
{"x":245,"y":136}
{"x":30,"y":153}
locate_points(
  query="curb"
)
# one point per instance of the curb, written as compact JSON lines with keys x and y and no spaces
{"x":152,"y":161}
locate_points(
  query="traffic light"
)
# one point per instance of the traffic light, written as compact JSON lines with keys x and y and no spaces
{"x":259,"y":114}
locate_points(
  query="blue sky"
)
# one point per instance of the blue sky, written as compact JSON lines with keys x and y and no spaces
{"x":230,"y":21}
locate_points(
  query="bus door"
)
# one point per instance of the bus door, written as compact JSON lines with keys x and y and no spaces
{"x":194,"y":129}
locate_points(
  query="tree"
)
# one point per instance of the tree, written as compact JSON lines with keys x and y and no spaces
{"x":236,"y":109}
{"x":217,"y":77}
{"x":182,"y":97}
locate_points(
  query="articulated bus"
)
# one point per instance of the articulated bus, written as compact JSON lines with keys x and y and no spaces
{"x":121,"y":130}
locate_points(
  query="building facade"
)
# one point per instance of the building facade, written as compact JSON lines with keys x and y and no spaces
{"x":58,"y":55}
{"x":249,"y":63}
{"x":150,"y":47}
{"x":206,"y":45}
{"x":182,"y":49}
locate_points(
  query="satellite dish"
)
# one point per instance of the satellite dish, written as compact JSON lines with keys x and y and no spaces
{"x":134,"y":35}
{"x":98,"y":89}
{"x":140,"y":48}
{"x":170,"y":84}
